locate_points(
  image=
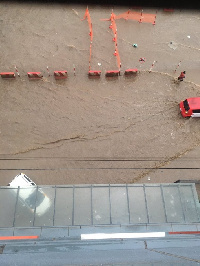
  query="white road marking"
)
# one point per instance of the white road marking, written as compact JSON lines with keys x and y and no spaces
{"x":121,"y":235}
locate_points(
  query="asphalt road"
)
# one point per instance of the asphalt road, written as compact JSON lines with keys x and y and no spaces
{"x":118,"y":252}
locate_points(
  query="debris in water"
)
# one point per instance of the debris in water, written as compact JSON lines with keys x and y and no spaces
{"x":75,"y":12}
{"x":173,"y":45}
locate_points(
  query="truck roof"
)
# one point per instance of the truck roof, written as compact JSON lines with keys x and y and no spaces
{"x":21,"y":180}
{"x":194,"y":103}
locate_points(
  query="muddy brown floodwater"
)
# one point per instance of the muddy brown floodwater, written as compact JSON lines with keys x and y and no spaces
{"x":80,"y":130}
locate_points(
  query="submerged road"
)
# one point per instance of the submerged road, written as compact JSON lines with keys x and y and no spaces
{"x":184,"y":250}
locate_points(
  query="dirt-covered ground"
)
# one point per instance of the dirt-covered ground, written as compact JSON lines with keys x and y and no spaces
{"x":80,"y":130}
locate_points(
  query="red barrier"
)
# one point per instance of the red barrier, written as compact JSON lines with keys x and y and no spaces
{"x":129,"y":72}
{"x":112,"y":73}
{"x":7,"y":75}
{"x":94,"y":73}
{"x":60,"y":74}
{"x":184,"y":233}
{"x":34,"y":75}
{"x":18,"y":237}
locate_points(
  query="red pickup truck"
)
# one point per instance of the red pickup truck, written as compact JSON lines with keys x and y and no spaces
{"x":190,"y":107}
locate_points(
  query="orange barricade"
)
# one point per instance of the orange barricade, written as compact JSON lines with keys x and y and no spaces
{"x":7,"y":75}
{"x":138,"y":16}
{"x":118,"y":60}
{"x":129,"y":15}
{"x":114,"y":29}
{"x":149,"y":18}
{"x":90,"y":55}
{"x":87,"y":15}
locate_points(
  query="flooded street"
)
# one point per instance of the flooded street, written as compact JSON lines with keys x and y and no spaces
{"x":82,"y":130}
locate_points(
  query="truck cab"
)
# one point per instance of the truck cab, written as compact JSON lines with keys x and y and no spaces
{"x":190,"y":107}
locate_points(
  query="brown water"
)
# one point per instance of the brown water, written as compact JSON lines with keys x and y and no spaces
{"x":73,"y":130}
